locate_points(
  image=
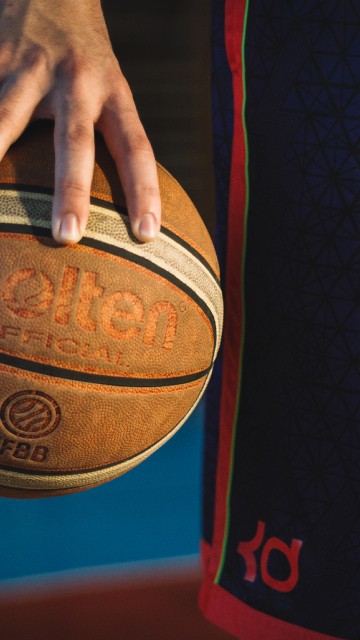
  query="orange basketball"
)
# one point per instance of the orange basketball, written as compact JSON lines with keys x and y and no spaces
{"x":105,"y":346}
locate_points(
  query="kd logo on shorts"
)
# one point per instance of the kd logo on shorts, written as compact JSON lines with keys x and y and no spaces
{"x":291,"y":553}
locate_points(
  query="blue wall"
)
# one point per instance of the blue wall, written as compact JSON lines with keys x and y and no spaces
{"x":150,"y":513}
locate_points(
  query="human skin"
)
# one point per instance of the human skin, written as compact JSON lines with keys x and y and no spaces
{"x":56,"y":62}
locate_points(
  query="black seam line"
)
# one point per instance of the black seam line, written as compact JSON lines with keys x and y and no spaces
{"x":122,"y":253}
{"x":14,"y":186}
{"x":69,"y":472}
{"x":25,"y":230}
{"x":122,"y":209}
{"x":148,"y":264}
{"x":191,"y":250}
{"x":96,"y":378}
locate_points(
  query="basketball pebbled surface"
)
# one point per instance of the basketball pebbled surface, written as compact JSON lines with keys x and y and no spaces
{"x":106,"y":346}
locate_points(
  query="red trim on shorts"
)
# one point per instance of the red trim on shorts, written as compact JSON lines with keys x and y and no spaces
{"x":217,"y":604}
{"x":242,"y":621}
{"x":233,"y":323}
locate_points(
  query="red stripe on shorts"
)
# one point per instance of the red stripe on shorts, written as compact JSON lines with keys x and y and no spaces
{"x":233,"y":323}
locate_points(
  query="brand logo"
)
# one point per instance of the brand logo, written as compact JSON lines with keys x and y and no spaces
{"x":290,"y":552}
{"x":79,"y":298}
{"x":30,"y":414}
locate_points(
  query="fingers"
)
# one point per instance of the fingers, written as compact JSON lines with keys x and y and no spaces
{"x":22,"y":97}
{"x":74,"y":166}
{"x":134,"y":158}
{"x":19,"y":97}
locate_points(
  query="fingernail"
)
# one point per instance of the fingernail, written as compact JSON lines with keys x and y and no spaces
{"x":147,"y":227}
{"x":69,"y":229}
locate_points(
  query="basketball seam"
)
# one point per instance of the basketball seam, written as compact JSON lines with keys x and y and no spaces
{"x":33,"y":474}
{"x":63,"y":373}
{"x":79,"y":384}
{"x":214,"y":298}
{"x":102,"y":200}
{"x":91,"y":371}
{"x":130,"y":257}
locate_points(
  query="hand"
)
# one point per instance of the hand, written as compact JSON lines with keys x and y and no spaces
{"x":56,"y":62}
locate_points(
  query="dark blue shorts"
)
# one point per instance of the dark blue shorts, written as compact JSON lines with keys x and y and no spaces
{"x":281,"y":534}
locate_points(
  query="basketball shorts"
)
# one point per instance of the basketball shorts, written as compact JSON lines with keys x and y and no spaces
{"x":281,"y":520}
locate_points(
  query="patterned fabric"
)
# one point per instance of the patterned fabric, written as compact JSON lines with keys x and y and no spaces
{"x":282,"y":534}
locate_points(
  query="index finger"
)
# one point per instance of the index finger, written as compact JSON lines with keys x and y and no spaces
{"x":74,"y":166}
{"x":136,"y":165}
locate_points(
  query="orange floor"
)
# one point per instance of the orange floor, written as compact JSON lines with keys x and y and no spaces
{"x":142,"y":610}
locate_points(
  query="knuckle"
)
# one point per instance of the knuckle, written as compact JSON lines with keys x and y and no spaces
{"x":145,"y":195}
{"x":74,"y":67}
{"x":36,"y":58}
{"x":6,"y":58}
{"x":6,"y":115}
{"x":136,"y":144}
{"x":79,"y":133}
{"x":72,"y":187}
{"x":149,"y":191}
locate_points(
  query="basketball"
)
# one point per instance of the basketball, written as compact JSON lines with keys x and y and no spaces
{"x":106,"y":346}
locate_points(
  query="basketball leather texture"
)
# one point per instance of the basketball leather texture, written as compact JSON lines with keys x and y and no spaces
{"x":105,"y":346}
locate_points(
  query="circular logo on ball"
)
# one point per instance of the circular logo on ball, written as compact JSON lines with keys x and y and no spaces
{"x":30,"y":414}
